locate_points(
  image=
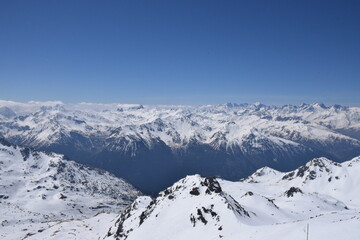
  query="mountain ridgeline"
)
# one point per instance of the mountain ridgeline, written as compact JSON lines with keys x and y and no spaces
{"x":266,"y":205}
{"x":154,"y":146}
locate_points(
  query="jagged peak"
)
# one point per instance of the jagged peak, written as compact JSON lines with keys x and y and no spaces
{"x":258,"y":104}
{"x":308,"y":171}
{"x":267,"y":169}
{"x":321,"y":162}
{"x":319,"y":105}
{"x":195,"y":185}
{"x":202,"y":201}
{"x":233,"y":105}
{"x":312,"y":169}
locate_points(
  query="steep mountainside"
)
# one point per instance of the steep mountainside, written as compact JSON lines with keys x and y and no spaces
{"x":267,"y":205}
{"x":138,"y":142}
{"x":39,"y":190}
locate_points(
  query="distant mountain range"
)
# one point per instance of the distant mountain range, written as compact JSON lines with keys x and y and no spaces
{"x":154,"y":146}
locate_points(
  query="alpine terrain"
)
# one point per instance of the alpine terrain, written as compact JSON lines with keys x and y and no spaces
{"x":154,"y":146}
{"x":40,"y":191}
{"x":319,"y":200}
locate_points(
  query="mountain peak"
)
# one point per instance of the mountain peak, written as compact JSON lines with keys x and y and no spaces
{"x":193,"y":202}
{"x":193,"y":184}
{"x":262,"y":174}
{"x":321,"y":162}
{"x":317,"y":167}
{"x":319,"y":105}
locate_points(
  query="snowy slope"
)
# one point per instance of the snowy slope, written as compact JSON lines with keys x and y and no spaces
{"x":189,"y":208}
{"x":338,"y":180}
{"x":39,"y":190}
{"x":230,"y":140}
{"x":267,"y":205}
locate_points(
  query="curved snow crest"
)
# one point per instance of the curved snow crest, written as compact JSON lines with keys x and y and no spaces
{"x":193,"y":204}
{"x":313,"y":169}
{"x":261,"y":175}
{"x":338,"y":180}
{"x":316,"y":167}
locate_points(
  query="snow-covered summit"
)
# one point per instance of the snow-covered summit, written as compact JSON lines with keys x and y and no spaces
{"x":263,"y":174}
{"x":193,"y":204}
{"x":318,"y":175}
{"x":318,"y":167}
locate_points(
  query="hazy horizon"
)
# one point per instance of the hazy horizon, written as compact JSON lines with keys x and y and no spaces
{"x":54,"y":102}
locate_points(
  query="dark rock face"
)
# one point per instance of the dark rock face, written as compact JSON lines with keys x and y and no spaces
{"x":212,"y":185}
{"x":4,"y":196}
{"x":292,"y":191}
{"x":195,"y":191}
{"x":62,"y":196}
{"x":25,"y":152}
{"x":201,"y":217}
{"x":4,"y":142}
{"x":120,"y":230}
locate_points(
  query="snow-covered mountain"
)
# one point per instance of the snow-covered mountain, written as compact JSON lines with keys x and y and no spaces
{"x":266,"y":205}
{"x":40,"y":190}
{"x":153,"y":146}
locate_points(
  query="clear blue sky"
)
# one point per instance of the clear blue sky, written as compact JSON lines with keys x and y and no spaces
{"x":180,"y":52}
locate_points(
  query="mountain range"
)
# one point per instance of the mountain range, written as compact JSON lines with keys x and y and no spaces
{"x":153,"y":146}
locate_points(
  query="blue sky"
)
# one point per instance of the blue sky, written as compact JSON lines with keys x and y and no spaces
{"x":180,"y":52}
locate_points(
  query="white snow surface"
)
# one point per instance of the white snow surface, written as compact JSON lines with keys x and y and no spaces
{"x":41,"y":190}
{"x":266,"y":205}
